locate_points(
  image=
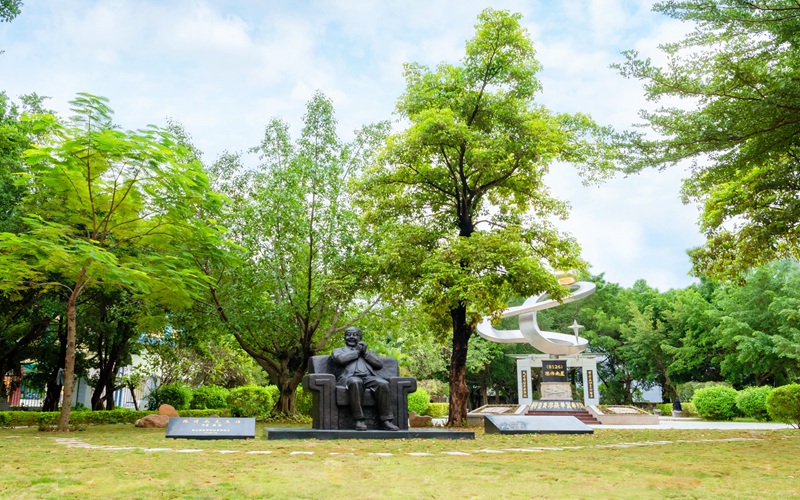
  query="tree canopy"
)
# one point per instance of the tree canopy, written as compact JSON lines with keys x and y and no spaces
{"x":737,"y":120}
{"x":106,"y":208}
{"x":460,"y":196}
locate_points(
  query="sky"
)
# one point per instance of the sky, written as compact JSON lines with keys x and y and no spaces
{"x":223,"y":69}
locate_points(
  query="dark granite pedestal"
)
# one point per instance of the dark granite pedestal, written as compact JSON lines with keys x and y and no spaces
{"x":524,"y":424}
{"x":290,"y":433}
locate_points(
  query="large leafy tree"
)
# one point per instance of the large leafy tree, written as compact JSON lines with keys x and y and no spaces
{"x":759,"y":327}
{"x":736,"y":75}
{"x":299,"y":275}
{"x":461,"y":199}
{"x":106,"y":208}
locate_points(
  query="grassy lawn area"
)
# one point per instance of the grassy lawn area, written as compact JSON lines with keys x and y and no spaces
{"x":121,"y":461}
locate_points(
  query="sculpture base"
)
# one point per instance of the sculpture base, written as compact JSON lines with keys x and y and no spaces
{"x":289,"y":433}
{"x":522,"y":424}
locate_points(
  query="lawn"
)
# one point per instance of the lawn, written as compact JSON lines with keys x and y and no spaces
{"x":121,"y":461}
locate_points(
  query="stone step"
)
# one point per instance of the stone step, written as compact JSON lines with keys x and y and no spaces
{"x":584,"y":416}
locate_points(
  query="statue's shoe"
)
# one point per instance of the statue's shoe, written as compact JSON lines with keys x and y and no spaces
{"x":361,"y":425}
{"x":389,"y":426}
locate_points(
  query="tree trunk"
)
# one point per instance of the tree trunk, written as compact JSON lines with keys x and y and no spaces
{"x":54,"y":388}
{"x":69,"y":360}
{"x":459,"y":394}
{"x":133,"y":396}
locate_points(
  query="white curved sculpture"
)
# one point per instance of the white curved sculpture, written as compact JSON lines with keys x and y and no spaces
{"x":558,"y":344}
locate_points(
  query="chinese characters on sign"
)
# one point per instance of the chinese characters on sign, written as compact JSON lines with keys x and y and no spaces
{"x":524,"y":383}
{"x":211,"y":428}
{"x":554,"y":370}
{"x":590,"y":384}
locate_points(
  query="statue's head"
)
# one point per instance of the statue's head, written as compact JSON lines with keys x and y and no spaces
{"x":352,"y":336}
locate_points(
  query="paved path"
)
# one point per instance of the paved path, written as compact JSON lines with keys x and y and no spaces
{"x":697,"y":423}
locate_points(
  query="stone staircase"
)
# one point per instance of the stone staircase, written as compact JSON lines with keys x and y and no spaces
{"x":582,"y":415}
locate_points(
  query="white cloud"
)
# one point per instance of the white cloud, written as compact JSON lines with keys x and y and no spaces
{"x":224,"y":69}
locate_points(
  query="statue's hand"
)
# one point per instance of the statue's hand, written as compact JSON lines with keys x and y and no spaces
{"x":362,"y":348}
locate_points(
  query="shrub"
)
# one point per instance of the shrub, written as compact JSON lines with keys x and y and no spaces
{"x":438,"y":410}
{"x":666,"y":408}
{"x":5,"y":419}
{"x":686,"y":391}
{"x":251,"y":401}
{"x":174,"y":394}
{"x":275,"y":393}
{"x":418,"y":401}
{"x":303,"y":402}
{"x":752,"y":402}
{"x":435,"y":388}
{"x":716,"y":403}
{"x":783,"y":404}
{"x":209,"y":396}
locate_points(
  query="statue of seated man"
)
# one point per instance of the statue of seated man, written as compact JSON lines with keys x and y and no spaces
{"x":357,"y":371}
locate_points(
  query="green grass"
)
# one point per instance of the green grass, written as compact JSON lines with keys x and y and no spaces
{"x":611,"y":463}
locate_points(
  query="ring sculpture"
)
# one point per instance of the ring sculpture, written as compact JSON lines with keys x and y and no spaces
{"x":558,"y":344}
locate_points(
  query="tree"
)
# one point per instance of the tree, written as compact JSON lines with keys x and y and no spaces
{"x":9,"y":9}
{"x":738,"y":71}
{"x":460,"y":198}
{"x":300,"y":272}
{"x":107,"y":208}
{"x":759,"y":327}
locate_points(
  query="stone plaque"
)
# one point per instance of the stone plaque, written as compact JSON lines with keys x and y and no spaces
{"x":211,"y":428}
{"x":554,"y":370}
{"x":524,"y":424}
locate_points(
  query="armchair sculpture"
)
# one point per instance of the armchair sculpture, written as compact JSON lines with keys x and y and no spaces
{"x":332,"y":404}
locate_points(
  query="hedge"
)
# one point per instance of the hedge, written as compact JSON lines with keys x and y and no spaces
{"x":209,"y":396}
{"x":116,"y":416}
{"x":752,"y":402}
{"x":251,"y":401}
{"x":438,"y":410}
{"x":176,"y":394}
{"x":418,"y":401}
{"x":783,"y":404}
{"x":716,"y":403}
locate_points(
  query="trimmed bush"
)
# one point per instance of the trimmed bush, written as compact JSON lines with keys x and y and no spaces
{"x":303,"y":402}
{"x":716,"y":403}
{"x":783,"y":404}
{"x":251,"y":401}
{"x":752,"y":402}
{"x":209,"y":396}
{"x":666,"y":408}
{"x":418,"y":401}
{"x":438,"y":410}
{"x":175,"y":394}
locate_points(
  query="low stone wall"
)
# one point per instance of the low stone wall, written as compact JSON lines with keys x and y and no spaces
{"x":622,"y":418}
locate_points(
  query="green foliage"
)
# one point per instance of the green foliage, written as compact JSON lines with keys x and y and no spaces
{"x":666,"y":408}
{"x":46,"y":420}
{"x":175,"y":394}
{"x":737,"y":69}
{"x":687,"y":390}
{"x":9,"y":9}
{"x":250,"y":401}
{"x":418,"y":401}
{"x":458,"y":206}
{"x":716,"y":403}
{"x":209,"y":396}
{"x":304,"y":402}
{"x":438,"y":410}
{"x":783,"y":404}
{"x":436,"y":388}
{"x":298,"y":273}
{"x":752,"y":402}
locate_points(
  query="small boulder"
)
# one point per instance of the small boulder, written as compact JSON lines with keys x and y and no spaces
{"x":153,"y":421}
{"x":168,"y":411}
{"x":415,"y":420}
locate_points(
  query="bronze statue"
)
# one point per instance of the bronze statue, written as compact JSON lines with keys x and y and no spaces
{"x":358,"y":371}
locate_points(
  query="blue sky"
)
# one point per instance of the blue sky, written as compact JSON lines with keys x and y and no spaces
{"x":224,"y":68}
